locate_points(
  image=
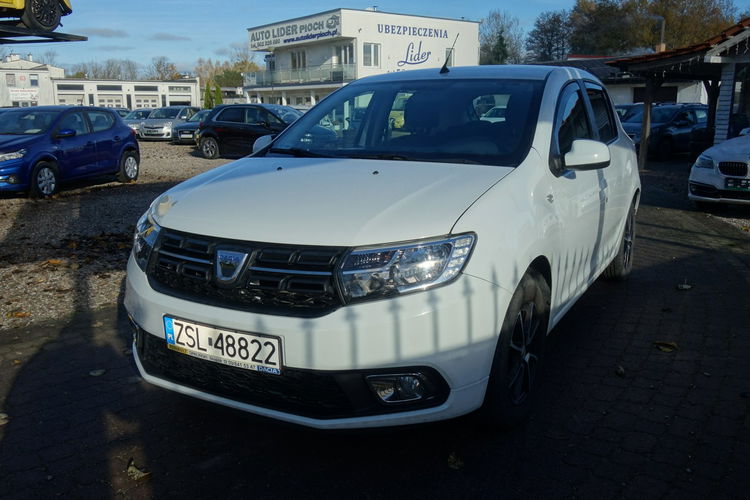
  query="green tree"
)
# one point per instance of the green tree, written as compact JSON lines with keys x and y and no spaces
{"x":208,"y":97}
{"x":229,"y":78}
{"x":218,"y":99}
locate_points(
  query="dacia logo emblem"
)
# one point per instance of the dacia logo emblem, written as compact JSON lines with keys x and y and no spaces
{"x":229,"y":264}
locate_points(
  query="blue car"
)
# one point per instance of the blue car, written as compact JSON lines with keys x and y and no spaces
{"x":41,"y":147}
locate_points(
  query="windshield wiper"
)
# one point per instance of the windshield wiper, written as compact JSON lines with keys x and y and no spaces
{"x":383,"y":156}
{"x":298,"y":152}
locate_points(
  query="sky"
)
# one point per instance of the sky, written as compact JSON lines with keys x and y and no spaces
{"x":185,"y":30}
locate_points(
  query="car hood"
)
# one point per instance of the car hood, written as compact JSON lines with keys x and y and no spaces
{"x":323,"y":201}
{"x":10,"y":143}
{"x":737,"y":149}
{"x":635,"y":128}
{"x":187,"y":126}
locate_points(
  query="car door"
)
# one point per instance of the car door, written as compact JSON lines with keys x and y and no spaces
{"x":616,"y":177}
{"x":579,"y":201}
{"x":681,"y":128}
{"x":76,"y":154}
{"x":229,"y":128}
{"x":106,"y":140}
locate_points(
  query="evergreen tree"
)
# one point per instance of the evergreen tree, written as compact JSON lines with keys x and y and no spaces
{"x":208,"y":97}
{"x":217,"y":96}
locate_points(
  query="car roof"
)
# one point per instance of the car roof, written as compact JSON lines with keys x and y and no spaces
{"x":64,"y":108}
{"x":510,"y":72}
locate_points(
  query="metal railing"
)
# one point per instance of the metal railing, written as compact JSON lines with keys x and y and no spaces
{"x":317,"y":74}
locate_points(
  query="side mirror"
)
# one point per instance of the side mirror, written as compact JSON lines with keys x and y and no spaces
{"x":745,"y":131}
{"x":586,"y":154}
{"x":262,"y":142}
{"x":65,"y":132}
{"x":681,"y":123}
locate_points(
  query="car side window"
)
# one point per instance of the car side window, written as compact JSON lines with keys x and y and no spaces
{"x":74,"y":121}
{"x":252,"y":116}
{"x":234,"y":115}
{"x":603,"y":117}
{"x":572,"y":121}
{"x":701,"y":115}
{"x":100,"y":120}
{"x":268,"y":117}
{"x":184,"y":114}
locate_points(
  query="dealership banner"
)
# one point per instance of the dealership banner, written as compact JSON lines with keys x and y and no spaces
{"x":24,"y":94}
{"x":297,"y":31}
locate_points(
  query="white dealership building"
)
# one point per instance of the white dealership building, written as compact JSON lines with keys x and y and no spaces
{"x":309,"y":57}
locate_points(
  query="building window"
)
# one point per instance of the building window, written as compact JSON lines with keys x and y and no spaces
{"x":109,"y":87}
{"x":344,"y":54}
{"x":299,"y":60}
{"x":178,"y":89}
{"x":34,"y":80}
{"x":10,"y":79}
{"x":146,"y":88}
{"x":371,"y":55}
{"x":449,"y":57}
{"x":67,"y":86}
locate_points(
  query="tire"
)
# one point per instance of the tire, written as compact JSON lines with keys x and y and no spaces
{"x":620,"y":267}
{"x":129,"y":167}
{"x":518,"y":355}
{"x":209,"y":148}
{"x":42,"y":15}
{"x":44,"y":181}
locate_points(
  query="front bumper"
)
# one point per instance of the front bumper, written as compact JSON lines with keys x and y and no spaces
{"x":149,"y":133}
{"x":707,"y":185}
{"x":14,"y":175}
{"x":449,"y":331}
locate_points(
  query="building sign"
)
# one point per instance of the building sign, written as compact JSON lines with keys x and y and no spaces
{"x":414,"y":55}
{"x":399,"y":29}
{"x":24,"y":94}
{"x":301,"y":30}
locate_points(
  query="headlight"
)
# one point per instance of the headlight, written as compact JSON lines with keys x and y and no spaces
{"x":146,"y":232}
{"x":168,"y":125}
{"x":704,"y":161}
{"x":377,"y":272}
{"x":15,"y":155}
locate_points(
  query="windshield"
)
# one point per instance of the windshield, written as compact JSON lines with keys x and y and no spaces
{"x":658,"y":115}
{"x":25,"y":122}
{"x":423,"y":120}
{"x":138,"y":114}
{"x":165,"y":113}
{"x":199,"y":115}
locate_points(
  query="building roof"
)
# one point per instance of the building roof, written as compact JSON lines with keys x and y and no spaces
{"x":693,"y":62}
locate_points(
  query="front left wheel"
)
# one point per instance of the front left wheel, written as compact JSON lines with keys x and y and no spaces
{"x":45,"y":180}
{"x":129,"y":167}
{"x":513,"y":379}
{"x":42,"y":15}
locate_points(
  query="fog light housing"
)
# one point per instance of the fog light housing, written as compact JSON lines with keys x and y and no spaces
{"x":400,"y":388}
{"x":10,"y":179}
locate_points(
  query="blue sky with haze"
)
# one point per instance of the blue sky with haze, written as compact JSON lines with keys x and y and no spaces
{"x":184,"y":30}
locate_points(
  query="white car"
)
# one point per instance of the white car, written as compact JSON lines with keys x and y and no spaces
{"x":495,"y":114}
{"x":377,"y":273}
{"x":721,"y":174}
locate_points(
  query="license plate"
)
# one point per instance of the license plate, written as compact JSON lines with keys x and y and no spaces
{"x":186,"y":134}
{"x":239,"y":349}
{"x":153,"y":132}
{"x":738,"y":184}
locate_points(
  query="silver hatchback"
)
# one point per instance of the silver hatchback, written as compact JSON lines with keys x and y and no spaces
{"x":159,"y":123}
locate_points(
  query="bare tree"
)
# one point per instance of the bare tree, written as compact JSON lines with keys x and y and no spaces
{"x":162,"y":69}
{"x":49,"y":57}
{"x":550,"y":38}
{"x":500,"y":25}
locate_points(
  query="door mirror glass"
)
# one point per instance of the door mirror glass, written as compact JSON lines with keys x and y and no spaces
{"x":261,"y":142}
{"x":586,"y":154}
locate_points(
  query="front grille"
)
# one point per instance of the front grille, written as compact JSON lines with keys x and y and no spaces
{"x":276,"y":279}
{"x":310,"y":393}
{"x":733,"y":168}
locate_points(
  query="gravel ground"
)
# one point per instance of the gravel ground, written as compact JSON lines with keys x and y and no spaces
{"x":68,"y":254}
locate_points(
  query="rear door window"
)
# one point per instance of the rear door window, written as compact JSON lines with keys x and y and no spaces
{"x":233,"y":115}
{"x":101,"y":120}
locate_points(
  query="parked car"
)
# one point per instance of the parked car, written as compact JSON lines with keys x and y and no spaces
{"x":136,"y":118}
{"x":721,"y":174}
{"x":185,"y":132}
{"x":41,"y":147}
{"x":494,"y":114}
{"x":123,"y":112}
{"x":373,"y":276}
{"x":626,"y":111}
{"x":37,"y":14}
{"x":231,"y":129}
{"x":673,"y":128}
{"x":159,"y":123}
